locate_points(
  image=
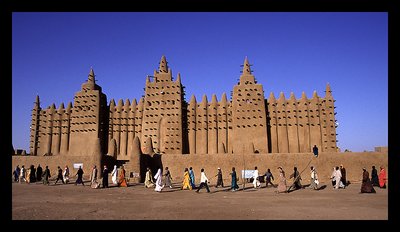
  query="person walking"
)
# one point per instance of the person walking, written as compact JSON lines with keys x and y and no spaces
{"x":148,"y":180}
{"x":93,"y":177}
{"x":366,"y":186}
{"x":66,"y":174}
{"x":105,"y":177}
{"x":16,"y":173}
{"x":268,"y":176}
{"x":220,"y":181}
{"x":256,"y":182}
{"x":121,"y":178}
{"x":79,"y":173}
{"x":343,"y":179}
{"x":59,"y":176}
{"x":186,"y":180}
{"x":203,"y":181}
{"x":46,"y":175}
{"x":39,"y":173}
{"x":282,"y":181}
{"x":114,"y":175}
{"x":234,"y":185}
{"x":158,"y":177}
{"x":314,"y":182}
{"x":374,"y":176}
{"x":296,"y":178}
{"x":382,"y":178}
{"x":22,"y":174}
{"x":168,"y":178}
{"x":191,"y":175}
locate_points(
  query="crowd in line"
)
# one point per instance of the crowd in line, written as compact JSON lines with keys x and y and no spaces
{"x":160,"y":179}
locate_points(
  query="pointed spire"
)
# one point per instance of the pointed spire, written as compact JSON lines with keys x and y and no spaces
{"x":246,"y":67}
{"x":69,"y":107}
{"x":133,"y":105}
{"x":281,"y":97}
{"x":315,"y":95}
{"x":147,"y":79}
{"x":127,"y":105}
{"x":328,"y":91}
{"x":204,"y":99}
{"x":272,"y":97}
{"x":120,"y":105}
{"x":303,"y":96}
{"x":178,"y":78}
{"x":91,"y":76}
{"x":61,"y":108}
{"x":224,"y":100}
{"x":163,"y":65}
{"x":292,"y":97}
{"x":192,"y":99}
{"x":37,"y":103}
{"x":214,"y":99}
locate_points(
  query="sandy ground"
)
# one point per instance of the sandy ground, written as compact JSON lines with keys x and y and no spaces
{"x":58,"y":202}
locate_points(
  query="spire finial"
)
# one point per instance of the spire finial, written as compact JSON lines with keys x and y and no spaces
{"x":246,"y":66}
{"x":163,"y":65}
{"x":91,"y":75}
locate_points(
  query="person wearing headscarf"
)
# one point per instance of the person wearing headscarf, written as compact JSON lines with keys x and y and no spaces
{"x":39,"y":172}
{"x":282,"y":188}
{"x":79,"y":173}
{"x":121,"y":178}
{"x":374,"y":176}
{"x":158,"y":178}
{"x":148,"y":180}
{"x":93,"y":176}
{"x":114,"y":175}
{"x":22,"y":174}
{"x":168,"y":178}
{"x":191,"y":175}
{"x":46,"y":176}
{"x":220,"y":182}
{"x":105,"y":177}
{"x":314,"y":179}
{"x":16,"y":173}
{"x":186,"y":180}
{"x":333,"y":177}
{"x":234,"y":185}
{"x":268,"y":177}
{"x":366,"y":186}
{"x":382,"y":178}
{"x":66,"y":174}
{"x":343,"y":179}
{"x":28,"y":175}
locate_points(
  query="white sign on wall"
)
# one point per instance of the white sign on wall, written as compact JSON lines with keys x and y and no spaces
{"x":77,"y":165}
{"x":247,"y":173}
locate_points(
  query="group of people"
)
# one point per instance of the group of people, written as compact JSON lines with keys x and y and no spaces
{"x":157,"y":181}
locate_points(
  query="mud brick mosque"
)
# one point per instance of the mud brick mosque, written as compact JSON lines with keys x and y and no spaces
{"x":164,"y":128}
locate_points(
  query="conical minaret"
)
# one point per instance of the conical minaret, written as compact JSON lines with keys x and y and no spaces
{"x":91,"y":76}
{"x":163,"y":65}
{"x":246,"y":67}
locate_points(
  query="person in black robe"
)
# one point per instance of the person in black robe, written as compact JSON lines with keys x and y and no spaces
{"x":32,"y":176}
{"x":366,"y":186}
{"x":296,"y":179}
{"x":374,"y":176}
{"x":343,"y":178}
{"x":220,"y":182}
{"x":105,"y":177}
{"x":59,"y":175}
{"x":79,"y":173}
{"x":46,"y":175}
{"x":39,"y":172}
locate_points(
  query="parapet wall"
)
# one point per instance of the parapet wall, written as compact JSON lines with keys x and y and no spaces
{"x":352,"y":161}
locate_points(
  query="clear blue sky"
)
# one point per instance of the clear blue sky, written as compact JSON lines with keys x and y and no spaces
{"x":291,"y":52}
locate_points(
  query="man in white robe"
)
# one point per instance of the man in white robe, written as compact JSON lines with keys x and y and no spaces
{"x":256,"y":182}
{"x":158,"y":178}
{"x":114,"y":175}
{"x":337,"y":177}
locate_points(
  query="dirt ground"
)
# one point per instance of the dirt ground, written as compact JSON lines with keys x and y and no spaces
{"x":58,"y":202}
